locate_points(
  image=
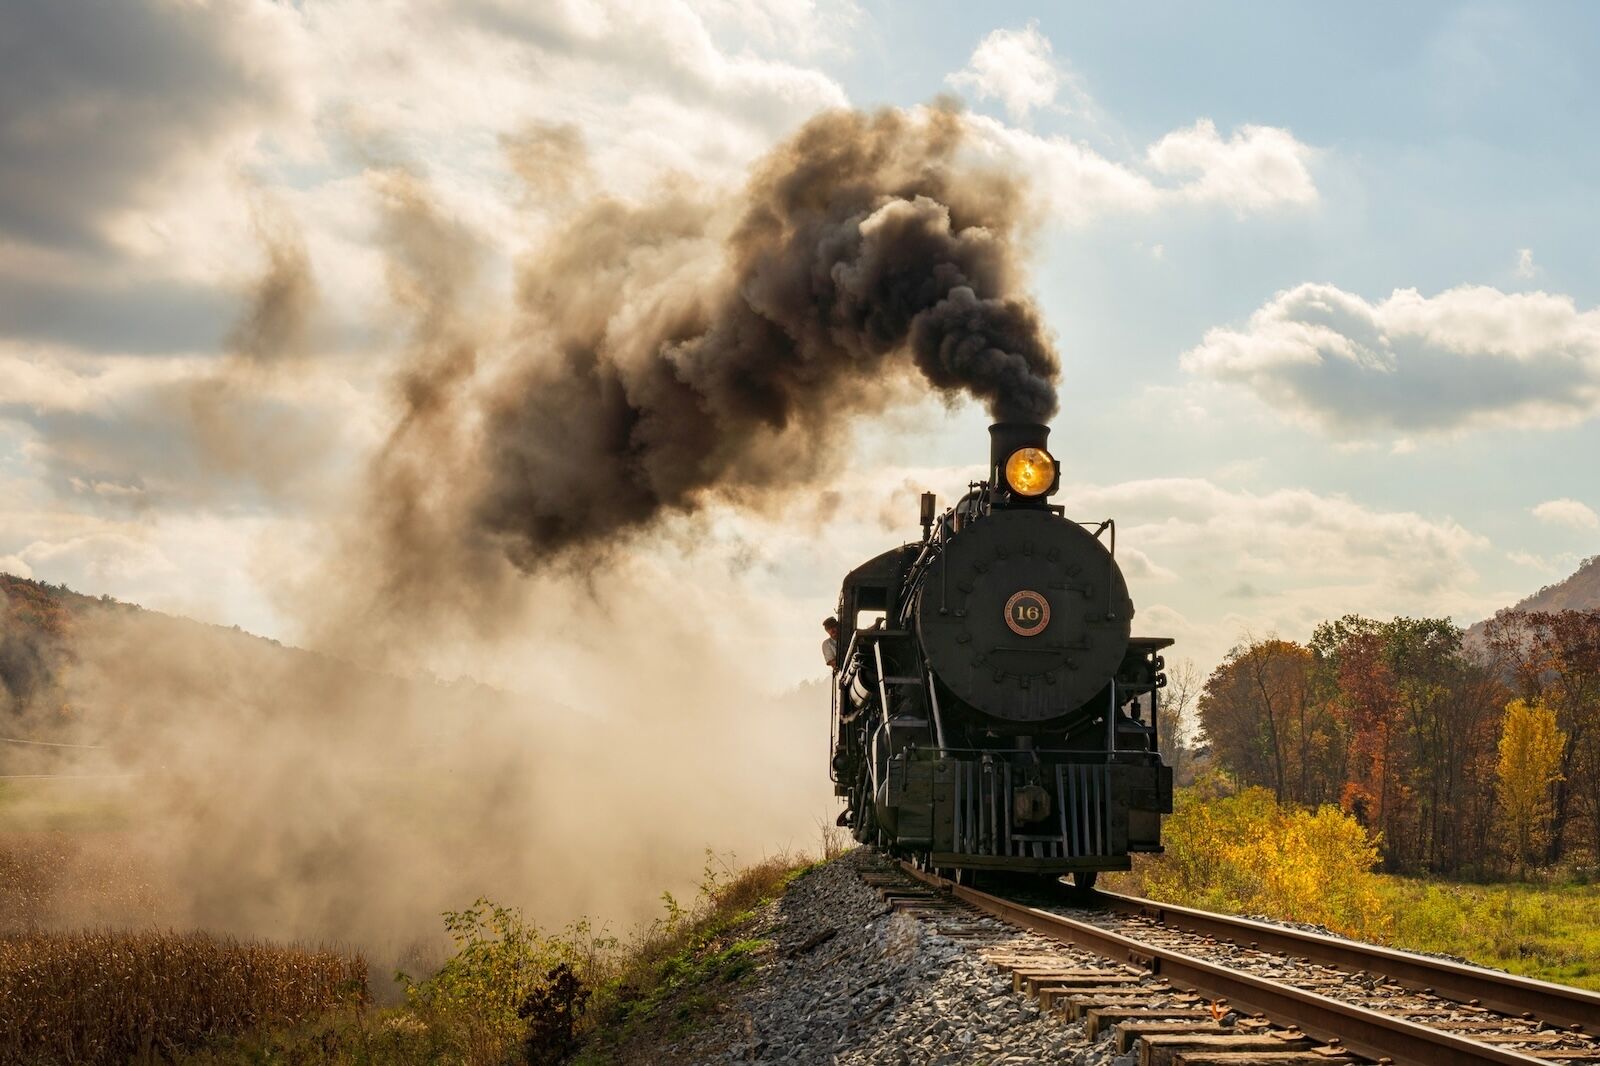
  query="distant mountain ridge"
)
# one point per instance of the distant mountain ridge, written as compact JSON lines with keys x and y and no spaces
{"x":1578,"y":592}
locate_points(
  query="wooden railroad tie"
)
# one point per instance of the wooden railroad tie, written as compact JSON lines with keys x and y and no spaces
{"x":1159,"y":1049}
{"x":1098,"y":1019}
{"x":1260,"y":1058}
{"x":1031,"y":981}
{"x":1129,"y":1034}
{"x":1075,"y":1006}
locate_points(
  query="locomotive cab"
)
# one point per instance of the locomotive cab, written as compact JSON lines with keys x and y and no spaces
{"x":1000,"y":715}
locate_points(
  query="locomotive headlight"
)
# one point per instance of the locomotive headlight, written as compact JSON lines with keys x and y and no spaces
{"x":1030,"y":471}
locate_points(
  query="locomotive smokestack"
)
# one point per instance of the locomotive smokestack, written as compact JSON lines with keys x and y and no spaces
{"x":1020,"y":462}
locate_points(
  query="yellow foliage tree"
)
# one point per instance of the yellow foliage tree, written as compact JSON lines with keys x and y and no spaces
{"x":1530,"y":760}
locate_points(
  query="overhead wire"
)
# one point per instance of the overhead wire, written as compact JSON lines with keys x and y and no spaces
{"x":47,"y":743}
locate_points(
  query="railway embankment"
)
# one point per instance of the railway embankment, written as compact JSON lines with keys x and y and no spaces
{"x":847,"y":978}
{"x":864,"y":962}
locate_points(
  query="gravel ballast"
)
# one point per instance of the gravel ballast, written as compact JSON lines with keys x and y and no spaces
{"x":850,"y":981}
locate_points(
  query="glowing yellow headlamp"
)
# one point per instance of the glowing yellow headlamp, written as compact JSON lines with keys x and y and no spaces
{"x":1030,"y":471}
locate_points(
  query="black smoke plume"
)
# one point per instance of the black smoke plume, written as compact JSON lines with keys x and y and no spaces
{"x":697,"y":346}
{"x":861,"y":246}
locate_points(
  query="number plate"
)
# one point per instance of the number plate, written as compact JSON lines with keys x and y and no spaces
{"x":1027,"y":613}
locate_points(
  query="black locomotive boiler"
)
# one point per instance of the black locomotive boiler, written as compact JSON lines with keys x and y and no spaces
{"x":991,"y":709}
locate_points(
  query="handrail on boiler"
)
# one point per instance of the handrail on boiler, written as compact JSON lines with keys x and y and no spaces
{"x":938,"y":720}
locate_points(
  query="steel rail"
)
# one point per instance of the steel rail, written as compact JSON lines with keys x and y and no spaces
{"x":1366,"y":1032}
{"x":1503,"y":992}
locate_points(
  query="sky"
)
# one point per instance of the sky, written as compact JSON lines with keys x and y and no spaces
{"x":1325,"y":283}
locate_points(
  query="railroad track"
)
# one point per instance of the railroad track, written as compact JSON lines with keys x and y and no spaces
{"x":1192,"y":988}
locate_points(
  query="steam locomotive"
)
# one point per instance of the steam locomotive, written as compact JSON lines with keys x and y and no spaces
{"x":991,"y":709}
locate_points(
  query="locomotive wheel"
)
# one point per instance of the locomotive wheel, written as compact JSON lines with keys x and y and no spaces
{"x":1083,"y":880}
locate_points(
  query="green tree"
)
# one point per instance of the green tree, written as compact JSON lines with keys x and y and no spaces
{"x":1530,"y":759}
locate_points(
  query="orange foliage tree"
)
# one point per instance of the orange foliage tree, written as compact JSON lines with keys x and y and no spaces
{"x":1264,"y":724}
{"x":1393,"y":720}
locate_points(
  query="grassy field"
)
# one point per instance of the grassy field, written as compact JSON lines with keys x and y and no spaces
{"x":61,"y":805}
{"x":1245,"y":854}
{"x":1551,"y":932}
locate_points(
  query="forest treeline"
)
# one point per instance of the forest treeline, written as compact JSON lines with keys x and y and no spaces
{"x":1467,"y":758}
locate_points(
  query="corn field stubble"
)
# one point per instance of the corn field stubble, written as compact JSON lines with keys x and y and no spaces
{"x":113,"y":997}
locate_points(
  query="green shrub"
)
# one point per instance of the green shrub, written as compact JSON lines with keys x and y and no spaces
{"x":508,"y":984}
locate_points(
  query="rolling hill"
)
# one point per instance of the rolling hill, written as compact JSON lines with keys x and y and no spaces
{"x":1579,"y":592}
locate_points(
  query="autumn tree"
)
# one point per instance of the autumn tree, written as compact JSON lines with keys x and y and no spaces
{"x":1355,"y":678}
{"x":1553,"y":658}
{"x":1420,"y":717}
{"x":1531,"y":748}
{"x":1263,"y":723}
{"x":1446,"y":705}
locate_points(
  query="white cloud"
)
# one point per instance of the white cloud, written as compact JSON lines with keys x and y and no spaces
{"x":1525,"y":267}
{"x":649,"y":84}
{"x":1567,"y":512}
{"x":1268,"y":536}
{"x":125,"y":432}
{"x":1257,"y":168}
{"x":296,"y":99}
{"x":1139,"y":567}
{"x":1412,"y":364}
{"x":795,"y":27}
{"x":1014,"y":66}
{"x":101,"y":115}
{"x":1240,"y":559}
{"x":101,"y":556}
{"x":1532,"y":561}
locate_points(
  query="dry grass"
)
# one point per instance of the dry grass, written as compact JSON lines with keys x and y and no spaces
{"x":836,"y":839}
{"x":109,"y":997}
